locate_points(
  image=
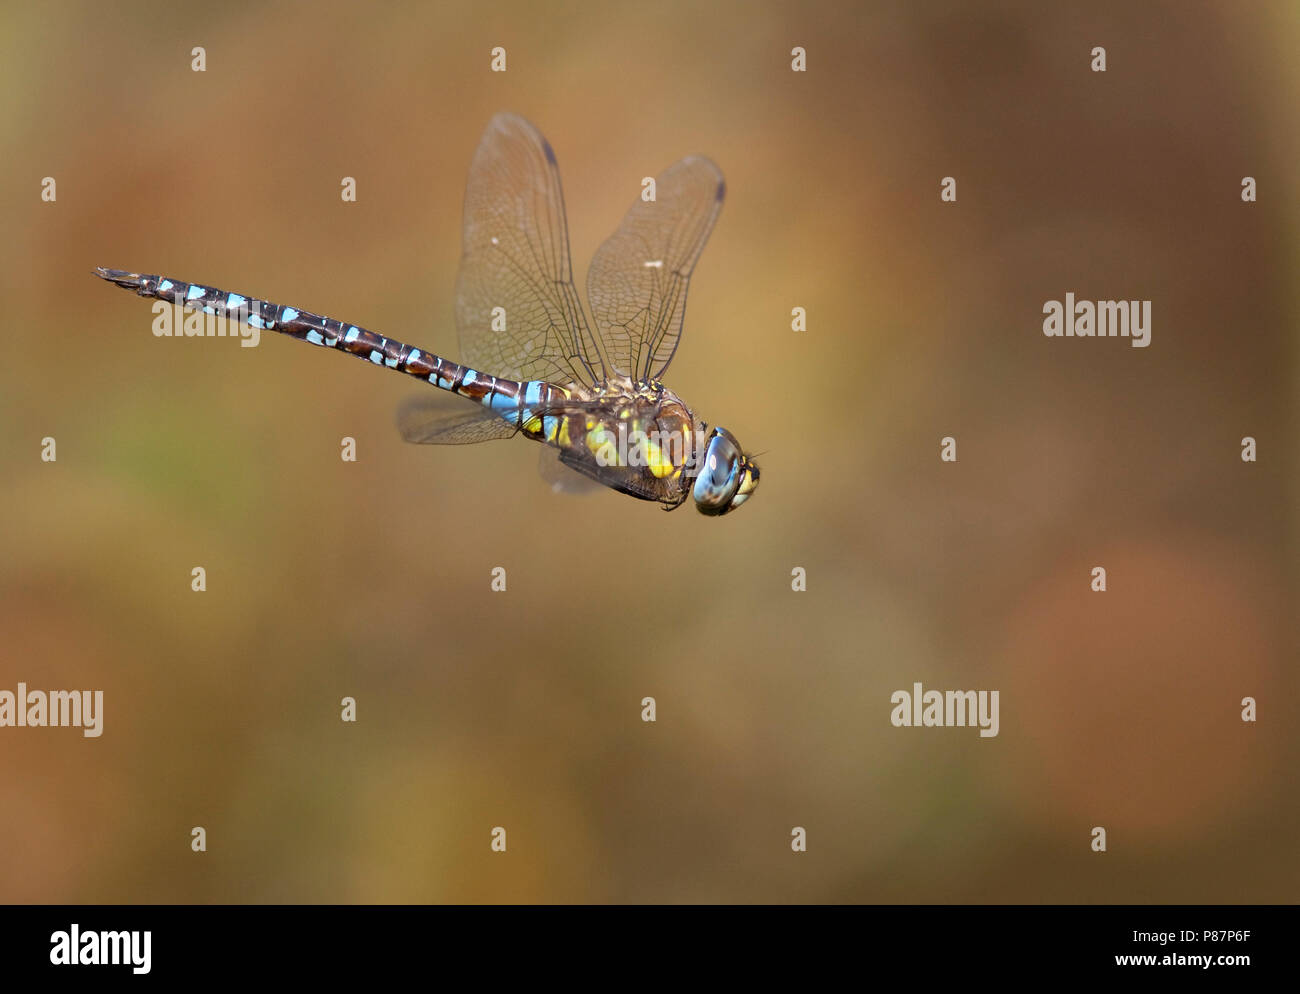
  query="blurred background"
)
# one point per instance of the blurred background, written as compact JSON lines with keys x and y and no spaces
{"x":522,"y":709}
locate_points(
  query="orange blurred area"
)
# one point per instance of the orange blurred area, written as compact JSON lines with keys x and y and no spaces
{"x":522,"y":709}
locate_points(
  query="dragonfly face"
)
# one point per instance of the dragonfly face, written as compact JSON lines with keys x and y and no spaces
{"x":531,"y":362}
{"x":727,"y":476}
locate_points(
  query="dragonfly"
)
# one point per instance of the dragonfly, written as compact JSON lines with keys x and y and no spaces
{"x":531,"y":363}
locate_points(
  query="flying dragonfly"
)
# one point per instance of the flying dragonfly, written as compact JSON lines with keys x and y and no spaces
{"x":531,"y":362}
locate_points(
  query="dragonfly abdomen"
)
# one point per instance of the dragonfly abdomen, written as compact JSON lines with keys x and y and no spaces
{"x":514,"y":401}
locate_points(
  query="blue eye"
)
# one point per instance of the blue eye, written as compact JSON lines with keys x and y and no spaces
{"x":719,"y":476}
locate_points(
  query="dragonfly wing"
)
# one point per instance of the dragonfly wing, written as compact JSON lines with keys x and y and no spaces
{"x":638,"y":279}
{"x":438,"y":418}
{"x":561,"y":478}
{"x":517,"y":310}
{"x":445,"y":419}
{"x":624,"y":479}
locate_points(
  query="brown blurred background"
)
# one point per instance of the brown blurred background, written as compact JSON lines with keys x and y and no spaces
{"x":222,"y":709}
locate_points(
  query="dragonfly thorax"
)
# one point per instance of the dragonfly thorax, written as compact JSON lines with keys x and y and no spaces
{"x":634,"y":436}
{"x":641,"y":438}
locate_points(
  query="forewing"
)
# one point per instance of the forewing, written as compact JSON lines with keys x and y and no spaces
{"x":638,"y":279}
{"x":516,"y":258}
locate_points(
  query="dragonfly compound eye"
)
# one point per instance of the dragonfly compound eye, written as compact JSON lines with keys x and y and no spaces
{"x":726,"y":477}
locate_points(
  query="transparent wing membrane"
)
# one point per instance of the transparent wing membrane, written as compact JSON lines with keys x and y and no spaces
{"x":638,"y":279}
{"x":561,"y":478}
{"x":517,"y":310}
{"x":445,"y":419}
{"x":448,"y":419}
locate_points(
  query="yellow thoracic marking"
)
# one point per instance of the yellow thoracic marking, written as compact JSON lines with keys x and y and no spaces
{"x":603,"y":442}
{"x":603,"y":445}
{"x":660,"y":465}
{"x":533,"y":425}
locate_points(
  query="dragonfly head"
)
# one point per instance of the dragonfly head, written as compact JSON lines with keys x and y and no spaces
{"x":727,"y":476}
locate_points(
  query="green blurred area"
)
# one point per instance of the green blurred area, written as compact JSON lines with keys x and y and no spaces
{"x":522,"y":709}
